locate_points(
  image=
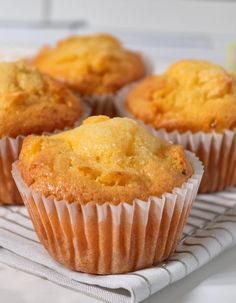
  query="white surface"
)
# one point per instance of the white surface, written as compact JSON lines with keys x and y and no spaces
{"x":215,"y":282}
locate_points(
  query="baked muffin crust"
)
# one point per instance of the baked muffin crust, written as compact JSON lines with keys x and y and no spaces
{"x":104,"y":160}
{"x":31,"y":102}
{"x":91,"y":65}
{"x":191,"y":95}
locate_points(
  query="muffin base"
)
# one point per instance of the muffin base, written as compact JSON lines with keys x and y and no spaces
{"x":217,"y":151}
{"x":111,"y":239}
{"x":9,"y":152}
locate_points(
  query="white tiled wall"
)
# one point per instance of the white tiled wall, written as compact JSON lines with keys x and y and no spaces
{"x":179,"y":15}
{"x":202,"y":16}
{"x":21,"y":10}
{"x":166,"y":30}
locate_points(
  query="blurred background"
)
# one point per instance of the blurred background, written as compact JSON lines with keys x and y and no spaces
{"x":166,"y":30}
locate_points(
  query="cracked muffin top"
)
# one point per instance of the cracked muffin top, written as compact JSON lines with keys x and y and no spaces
{"x":104,"y":160}
{"x":91,"y":65}
{"x":31,"y":102}
{"x":191,"y":95}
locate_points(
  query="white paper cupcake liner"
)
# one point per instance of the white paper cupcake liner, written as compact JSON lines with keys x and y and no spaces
{"x":111,"y":239}
{"x":104,"y":104}
{"x":9,"y":152}
{"x":217,"y":151}
{"x":101,"y":105}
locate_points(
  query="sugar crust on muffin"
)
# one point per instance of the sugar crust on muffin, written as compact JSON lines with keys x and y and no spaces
{"x":92,"y":64}
{"x":31,"y":102}
{"x":191,"y":95}
{"x":104,"y":160}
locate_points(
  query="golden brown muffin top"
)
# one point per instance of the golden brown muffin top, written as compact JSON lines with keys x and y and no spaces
{"x":104,"y":160}
{"x":191,"y":95}
{"x":31,"y":102}
{"x":91,"y":65}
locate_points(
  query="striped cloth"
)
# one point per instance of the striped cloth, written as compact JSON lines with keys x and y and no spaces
{"x":211,"y":229}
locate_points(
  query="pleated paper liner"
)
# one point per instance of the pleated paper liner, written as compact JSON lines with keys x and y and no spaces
{"x":111,"y":239}
{"x":217,"y":151}
{"x":9,"y":152}
{"x":104,"y":104}
{"x":101,"y":105}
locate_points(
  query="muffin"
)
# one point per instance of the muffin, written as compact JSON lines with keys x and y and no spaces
{"x":193,"y":104}
{"x":30,"y":102}
{"x":107,"y":197}
{"x":95,"y":66}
